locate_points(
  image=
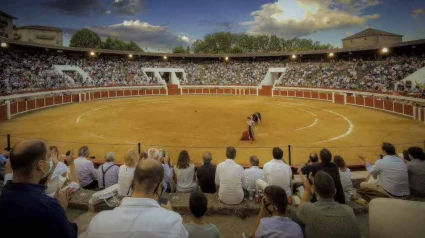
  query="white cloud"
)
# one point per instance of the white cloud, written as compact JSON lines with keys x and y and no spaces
{"x":144,"y":34}
{"x":349,"y":33}
{"x":418,"y":12}
{"x":291,"y":18}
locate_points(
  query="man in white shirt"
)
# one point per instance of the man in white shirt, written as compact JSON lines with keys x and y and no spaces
{"x":85,"y":169}
{"x":252,"y":174}
{"x":107,"y":173}
{"x":276,"y":172}
{"x":230,"y":178}
{"x":393,"y":179}
{"x":140,"y":215}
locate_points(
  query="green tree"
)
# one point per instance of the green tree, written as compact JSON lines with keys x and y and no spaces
{"x":188,"y":49}
{"x":179,"y":50}
{"x":85,"y":38}
{"x":198,"y":46}
{"x":132,"y":46}
{"x":236,"y":49}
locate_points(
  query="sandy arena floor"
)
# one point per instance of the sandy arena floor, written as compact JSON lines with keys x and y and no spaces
{"x":211,"y":123}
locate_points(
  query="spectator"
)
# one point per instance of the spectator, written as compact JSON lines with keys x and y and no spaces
{"x":330,"y":168}
{"x":3,"y":160}
{"x":126,"y":173}
{"x":345,"y":177}
{"x":252,"y":174}
{"x":274,"y":204}
{"x":184,"y":174}
{"x":143,"y":155}
{"x":206,"y":174}
{"x":276,"y":172}
{"x":24,"y":207}
{"x":198,"y":205}
{"x":314,"y":159}
{"x":391,"y":173}
{"x":166,"y":164}
{"x":85,"y":169}
{"x":140,"y":215}
{"x":416,"y":170}
{"x":57,"y":178}
{"x":325,"y":218}
{"x":107,"y":173}
{"x":229,"y":177}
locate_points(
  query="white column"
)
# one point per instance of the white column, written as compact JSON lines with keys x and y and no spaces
{"x":345,"y":99}
{"x":333,"y":96}
{"x":414,"y":113}
{"x":79,"y":98}
{"x":8,"y":109}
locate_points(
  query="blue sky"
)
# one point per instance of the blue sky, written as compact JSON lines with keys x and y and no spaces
{"x":162,"y":24}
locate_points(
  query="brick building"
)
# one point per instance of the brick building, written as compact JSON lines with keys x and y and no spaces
{"x":40,"y":34}
{"x":371,"y":38}
{"x":6,"y":25}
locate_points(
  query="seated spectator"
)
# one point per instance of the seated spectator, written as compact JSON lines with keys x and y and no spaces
{"x":198,"y":205}
{"x":126,"y":173}
{"x":276,"y":172}
{"x":24,"y":207}
{"x":272,"y":220}
{"x":252,"y":174}
{"x":107,"y":173}
{"x":3,"y":159}
{"x":229,"y":178}
{"x":206,"y":174}
{"x":416,"y":170}
{"x":57,"y":178}
{"x":345,"y":176}
{"x":184,"y":174}
{"x":85,"y":169}
{"x":314,"y":159}
{"x":330,"y":168}
{"x":143,"y":155}
{"x":166,"y":164}
{"x":140,"y":215}
{"x":390,"y":172}
{"x":324,"y":218}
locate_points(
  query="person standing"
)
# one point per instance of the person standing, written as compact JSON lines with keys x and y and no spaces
{"x":25,"y":208}
{"x":229,"y":178}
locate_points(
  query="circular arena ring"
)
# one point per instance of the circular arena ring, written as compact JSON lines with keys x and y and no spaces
{"x":197,"y":122}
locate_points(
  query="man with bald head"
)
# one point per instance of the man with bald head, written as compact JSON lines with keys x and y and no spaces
{"x":206,"y":174}
{"x":140,"y":215}
{"x":24,"y":206}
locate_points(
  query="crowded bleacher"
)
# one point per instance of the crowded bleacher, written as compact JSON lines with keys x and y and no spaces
{"x":144,"y":178}
{"x":20,"y":72}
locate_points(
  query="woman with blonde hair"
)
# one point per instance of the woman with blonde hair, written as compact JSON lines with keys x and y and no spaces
{"x":126,"y":172}
{"x":184,"y":174}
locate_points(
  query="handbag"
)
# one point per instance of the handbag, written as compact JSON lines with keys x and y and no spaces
{"x":104,"y":195}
